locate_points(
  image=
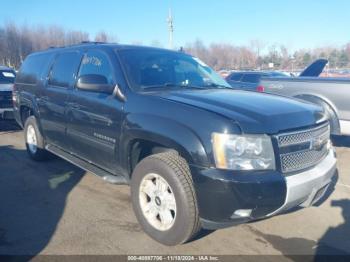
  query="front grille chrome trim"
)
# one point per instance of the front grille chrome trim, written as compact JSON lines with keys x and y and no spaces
{"x":303,"y":136}
{"x":293,"y":159}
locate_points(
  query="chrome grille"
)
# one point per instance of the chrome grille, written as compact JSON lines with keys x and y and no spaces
{"x":5,"y":99}
{"x":303,"y":149}
{"x":302,"y":136}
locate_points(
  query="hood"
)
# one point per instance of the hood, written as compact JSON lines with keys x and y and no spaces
{"x":255,"y":113}
{"x":6,"y":87}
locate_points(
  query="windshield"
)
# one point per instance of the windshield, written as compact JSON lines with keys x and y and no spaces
{"x":148,"y":69}
{"x":7,"y":77}
{"x":279,"y":74}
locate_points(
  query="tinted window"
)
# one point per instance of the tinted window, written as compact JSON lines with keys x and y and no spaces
{"x":64,"y":69}
{"x":7,"y":76}
{"x":153,"y":68}
{"x":251,"y":78}
{"x":96,"y":63}
{"x":32,"y":68}
{"x":236,"y":77}
{"x":278,"y":74}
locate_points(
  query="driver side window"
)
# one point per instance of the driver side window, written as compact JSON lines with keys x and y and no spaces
{"x":96,"y":63}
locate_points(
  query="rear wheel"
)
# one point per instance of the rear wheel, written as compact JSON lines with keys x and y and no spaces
{"x":164,"y":199}
{"x":34,"y":140}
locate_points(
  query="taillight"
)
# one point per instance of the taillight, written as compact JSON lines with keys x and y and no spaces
{"x":260,"y":89}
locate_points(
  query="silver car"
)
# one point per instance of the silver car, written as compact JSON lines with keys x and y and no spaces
{"x":333,"y":94}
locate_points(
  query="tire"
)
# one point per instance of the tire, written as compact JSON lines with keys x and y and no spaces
{"x":34,"y":140}
{"x":153,"y":214}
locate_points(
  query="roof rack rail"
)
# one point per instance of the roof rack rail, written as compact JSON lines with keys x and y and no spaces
{"x":93,"y":42}
{"x":77,"y":44}
{"x":53,"y":47}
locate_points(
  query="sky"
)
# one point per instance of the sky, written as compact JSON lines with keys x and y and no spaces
{"x":293,"y":23}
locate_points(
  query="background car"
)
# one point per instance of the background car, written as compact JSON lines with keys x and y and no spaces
{"x":7,"y":79}
{"x":249,"y":80}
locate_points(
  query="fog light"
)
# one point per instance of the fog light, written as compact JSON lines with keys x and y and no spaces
{"x":243,"y":212}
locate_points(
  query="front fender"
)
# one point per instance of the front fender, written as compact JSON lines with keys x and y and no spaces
{"x":165,"y":132}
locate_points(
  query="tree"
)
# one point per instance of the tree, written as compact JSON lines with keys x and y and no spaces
{"x":306,"y":59}
{"x":257,"y":45}
{"x":16,"y":42}
{"x":102,"y":36}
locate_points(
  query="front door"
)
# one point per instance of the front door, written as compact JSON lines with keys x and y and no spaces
{"x":95,"y":118}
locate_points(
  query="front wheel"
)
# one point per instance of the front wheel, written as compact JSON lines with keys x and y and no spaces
{"x":164,"y":199}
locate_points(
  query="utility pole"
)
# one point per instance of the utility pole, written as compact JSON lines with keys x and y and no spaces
{"x":170,"y":22}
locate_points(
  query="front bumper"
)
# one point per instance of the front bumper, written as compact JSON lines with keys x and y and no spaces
{"x":221,"y":195}
{"x":344,"y":127}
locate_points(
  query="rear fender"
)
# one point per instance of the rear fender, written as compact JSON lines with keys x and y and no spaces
{"x":28,"y":100}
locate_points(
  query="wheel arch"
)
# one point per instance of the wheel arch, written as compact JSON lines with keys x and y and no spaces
{"x":324,"y":101}
{"x":158,"y":136}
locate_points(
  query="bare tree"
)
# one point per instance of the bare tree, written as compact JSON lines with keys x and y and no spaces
{"x":16,"y":42}
{"x":257,"y":47}
{"x":102,"y":36}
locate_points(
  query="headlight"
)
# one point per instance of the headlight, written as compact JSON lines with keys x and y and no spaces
{"x":243,"y":152}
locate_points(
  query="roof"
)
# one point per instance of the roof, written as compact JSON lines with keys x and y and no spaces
{"x":101,"y":45}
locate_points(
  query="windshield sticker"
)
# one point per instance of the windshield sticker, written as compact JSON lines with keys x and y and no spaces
{"x":200,"y":62}
{"x":93,"y":60}
{"x":8,"y":74}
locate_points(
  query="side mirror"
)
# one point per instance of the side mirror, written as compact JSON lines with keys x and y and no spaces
{"x":94,"y":83}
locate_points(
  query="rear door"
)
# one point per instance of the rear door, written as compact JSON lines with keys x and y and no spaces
{"x":95,"y":118}
{"x":250,"y":81}
{"x":54,"y":98}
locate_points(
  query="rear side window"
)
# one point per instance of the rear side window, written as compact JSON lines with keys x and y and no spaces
{"x":7,"y":77}
{"x":32,"y":68}
{"x":236,"y":77}
{"x":97,"y":63}
{"x":251,"y":78}
{"x":64,"y":69}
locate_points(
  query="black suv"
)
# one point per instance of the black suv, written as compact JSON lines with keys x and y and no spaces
{"x":196,"y":153}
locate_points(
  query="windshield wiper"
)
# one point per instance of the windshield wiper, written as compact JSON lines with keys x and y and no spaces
{"x":218,"y":86}
{"x":169,"y":84}
{"x":165,"y":85}
{"x":160,"y":86}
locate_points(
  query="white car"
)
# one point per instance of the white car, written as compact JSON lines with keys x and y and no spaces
{"x":7,"y":79}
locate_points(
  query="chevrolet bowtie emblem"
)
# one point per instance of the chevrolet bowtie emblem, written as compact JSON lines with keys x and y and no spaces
{"x":317,"y":143}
